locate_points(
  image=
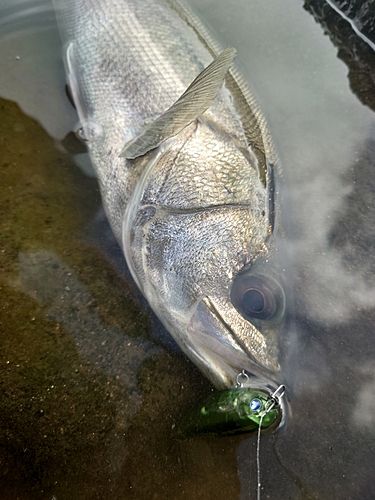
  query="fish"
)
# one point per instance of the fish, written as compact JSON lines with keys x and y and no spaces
{"x":186,"y":168}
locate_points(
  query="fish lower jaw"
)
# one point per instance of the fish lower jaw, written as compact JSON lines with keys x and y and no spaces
{"x":212,"y":344}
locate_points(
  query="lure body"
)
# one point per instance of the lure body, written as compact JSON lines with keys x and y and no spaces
{"x":232,"y":412}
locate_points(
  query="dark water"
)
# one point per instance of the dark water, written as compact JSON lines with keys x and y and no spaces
{"x":91,"y":388}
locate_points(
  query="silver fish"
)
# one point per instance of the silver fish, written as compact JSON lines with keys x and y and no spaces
{"x":185,"y":166}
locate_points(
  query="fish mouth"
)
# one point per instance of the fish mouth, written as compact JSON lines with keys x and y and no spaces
{"x":223,"y":344}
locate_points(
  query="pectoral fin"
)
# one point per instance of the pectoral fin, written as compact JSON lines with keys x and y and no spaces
{"x":197,"y":98}
{"x":75,"y":95}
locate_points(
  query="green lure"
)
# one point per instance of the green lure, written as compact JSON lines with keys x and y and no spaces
{"x":231,"y":412}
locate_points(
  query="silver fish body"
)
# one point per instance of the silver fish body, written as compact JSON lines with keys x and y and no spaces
{"x":193,"y":213}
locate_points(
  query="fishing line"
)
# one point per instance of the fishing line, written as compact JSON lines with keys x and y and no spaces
{"x":275,"y":400}
{"x":258,"y":458}
{"x":262,"y":408}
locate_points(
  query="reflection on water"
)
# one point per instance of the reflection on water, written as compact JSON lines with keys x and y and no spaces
{"x":90,"y":388}
{"x":359,"y":56}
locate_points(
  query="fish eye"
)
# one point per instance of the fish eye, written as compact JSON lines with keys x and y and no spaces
{"x":257,"y":297}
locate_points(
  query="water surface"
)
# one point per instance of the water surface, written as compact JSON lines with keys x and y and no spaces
{"x":91,"y":386}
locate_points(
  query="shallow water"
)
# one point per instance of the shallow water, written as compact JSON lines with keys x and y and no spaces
{"x":91,"y":387}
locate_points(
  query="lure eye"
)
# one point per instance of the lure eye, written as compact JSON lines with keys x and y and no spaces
{"x":255,"y":404}
{"x":257,"y":297}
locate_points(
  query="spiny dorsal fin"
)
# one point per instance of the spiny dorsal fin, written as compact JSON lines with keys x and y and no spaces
{"x":196,"y":99}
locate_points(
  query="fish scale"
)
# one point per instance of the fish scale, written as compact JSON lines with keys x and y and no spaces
{"x":191,"y":207}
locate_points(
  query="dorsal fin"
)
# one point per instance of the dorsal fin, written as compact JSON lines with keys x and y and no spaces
{"x":196,"y":99}
{"x":252,"y":118}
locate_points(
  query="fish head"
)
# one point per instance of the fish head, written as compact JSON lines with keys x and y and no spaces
{"x":239,"y":329}
{"x":200,"y":245}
